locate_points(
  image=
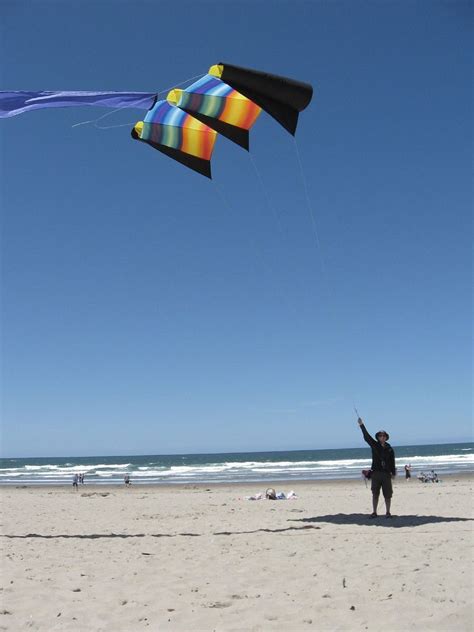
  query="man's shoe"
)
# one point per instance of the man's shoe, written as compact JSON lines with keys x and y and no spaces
{"x":373,"y":515}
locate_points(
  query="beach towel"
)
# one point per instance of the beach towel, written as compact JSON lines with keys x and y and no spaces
{"x":279,"y":496}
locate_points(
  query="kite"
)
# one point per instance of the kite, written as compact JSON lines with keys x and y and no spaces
{"x":227,"y":100}
{"x":178,"y":135}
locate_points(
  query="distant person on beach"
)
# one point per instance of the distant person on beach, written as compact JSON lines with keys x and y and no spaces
{"x":75,"y":480}
{"x":383,"y":468}
{"x":126,"y":480}
{"x":407,"y":472}
{"x":431,"y":477}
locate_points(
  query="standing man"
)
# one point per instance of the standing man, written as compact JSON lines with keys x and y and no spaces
{"x":383,"y":468}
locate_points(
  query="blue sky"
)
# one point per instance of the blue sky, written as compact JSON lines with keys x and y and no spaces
{"x":146,"y":309}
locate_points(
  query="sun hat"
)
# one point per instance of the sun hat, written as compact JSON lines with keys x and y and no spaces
{"x":377,"y":434}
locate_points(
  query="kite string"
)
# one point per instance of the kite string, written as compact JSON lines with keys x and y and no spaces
{"x":103,"y":116}
{"x":122,"y":107}
{"x":309,"y":206}
{"x":257,"y":251}
{"x":176,"y":85}
{"x":276,"y":215}
{"x":325,"y":275}
{"x":266,"y":194}
{"x":317,"y":241}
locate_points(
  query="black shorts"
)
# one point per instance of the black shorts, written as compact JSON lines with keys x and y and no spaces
{"x":382,"y":480}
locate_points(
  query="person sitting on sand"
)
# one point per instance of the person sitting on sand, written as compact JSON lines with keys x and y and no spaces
{"x":383,"y":468}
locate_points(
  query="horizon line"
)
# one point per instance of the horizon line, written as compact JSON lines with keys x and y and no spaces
{"x":89,"y":456}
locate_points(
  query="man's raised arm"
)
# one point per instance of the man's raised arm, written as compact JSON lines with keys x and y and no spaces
{"x":370,"y":440}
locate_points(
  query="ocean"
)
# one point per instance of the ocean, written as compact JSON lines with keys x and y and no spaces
{"x":232,"y":467}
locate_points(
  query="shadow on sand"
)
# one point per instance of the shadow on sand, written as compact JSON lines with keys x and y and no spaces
{"x":97,"y":536}
{"x":351,"y":519}
{"x":380,"y":521}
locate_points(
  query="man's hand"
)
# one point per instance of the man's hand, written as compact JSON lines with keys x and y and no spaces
{"x":360,"y":422}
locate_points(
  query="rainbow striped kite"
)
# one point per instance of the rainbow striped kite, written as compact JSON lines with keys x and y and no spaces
{"x":227,"y":100}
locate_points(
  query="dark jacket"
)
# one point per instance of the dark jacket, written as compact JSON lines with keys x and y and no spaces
{"x":383,"y":458}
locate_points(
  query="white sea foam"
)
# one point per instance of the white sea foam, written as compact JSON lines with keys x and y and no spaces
{"x":33,"y":468}
{"x":102,"y":470}
{"x":443,"y":458}
{"x":184,"y":468}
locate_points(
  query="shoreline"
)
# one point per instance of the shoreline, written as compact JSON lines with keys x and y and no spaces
{"x":287,"y":483}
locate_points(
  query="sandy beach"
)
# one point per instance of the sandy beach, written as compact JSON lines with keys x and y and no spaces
{"x":204,"y":558}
